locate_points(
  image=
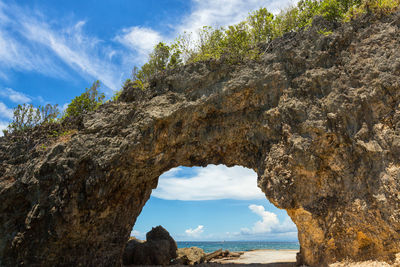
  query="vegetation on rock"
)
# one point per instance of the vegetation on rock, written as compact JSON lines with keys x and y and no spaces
{"x":236,"y":43}
{"x":88,"y":101}
{"x":26,"y":117}
{"x":241,"y":41}
{"x":317,"y":117}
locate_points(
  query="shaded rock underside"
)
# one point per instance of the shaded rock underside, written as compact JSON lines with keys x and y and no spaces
{"x":317,"y":117}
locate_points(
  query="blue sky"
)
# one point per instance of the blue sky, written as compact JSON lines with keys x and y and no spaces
{"x":214,"y":203}
{"x":50,"y":51}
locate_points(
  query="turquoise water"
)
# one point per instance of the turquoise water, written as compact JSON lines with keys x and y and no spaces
{"x":238,"y":245}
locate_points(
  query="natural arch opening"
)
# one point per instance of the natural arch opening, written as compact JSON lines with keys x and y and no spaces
{"x":219,"y":207}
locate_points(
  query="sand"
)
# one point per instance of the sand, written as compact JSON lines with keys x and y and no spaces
{"x":287,"y":258}
{"x":281,"y":258}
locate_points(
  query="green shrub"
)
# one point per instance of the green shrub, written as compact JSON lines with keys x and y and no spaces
{"x":49,"y":113}
{"x":90,"y":100}
{"x":209,"y":44}
{"x":27,"y":117}
{"x":375,"y":6}
{"x":261,"y":24}
{"x":307,"y":9}
{"x":239,"y":42}
{"x":183,"y":46}
{"x":160,"y":59}
{"x":286,"y":21}
{"x":116,"y":95}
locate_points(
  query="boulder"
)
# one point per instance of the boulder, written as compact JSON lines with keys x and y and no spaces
{"x":190,"y":256}
{"x":158,"y":249}
{"x":158,"y":234}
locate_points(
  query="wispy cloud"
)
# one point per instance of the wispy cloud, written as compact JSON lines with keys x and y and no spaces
{"x":140,"y":39}
{"x":213,"y":182}
{"x":14,"y":96}
{"x":6,"y":115}
{"x":16,"y":55}
{"x":62,"y":48}
{"x":203,"y":13}
{"x":32,"y":43}
{"x":81,"y":52}
{"x":3,"y":126}
{"x":5,"y":112}
{"x":225,"y":12}
{"x":195,"y":232}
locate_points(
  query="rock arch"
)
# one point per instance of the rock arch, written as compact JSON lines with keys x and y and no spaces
{"x":317,"y":117}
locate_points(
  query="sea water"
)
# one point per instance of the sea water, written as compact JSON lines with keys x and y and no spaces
{"x":238,"y":245}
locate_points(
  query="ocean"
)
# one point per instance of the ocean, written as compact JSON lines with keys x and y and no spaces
{"x":238,"y":245}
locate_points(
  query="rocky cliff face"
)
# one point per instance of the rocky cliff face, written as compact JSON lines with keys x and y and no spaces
{"x":317,"y":117}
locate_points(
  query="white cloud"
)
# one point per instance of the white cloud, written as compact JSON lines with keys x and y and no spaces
{"x":138,"y":234}
{"x":287,"y":226}
{"x":14,"y":96}
{"x":268,"y":220}
{"x":203,"y":13}
{"x":79,"y":25}
{"x":5,"y":112}
{"x":225,"y":12}
{"x":34,"y":44}
{"x":140,"y":39}
{"x":18,"y":56}
{"x":83,"y":53}
{"x":212,"y":182}
{"x":3,"y":126}
{"x":269,"y":223}
{"x":41,"y":100}
{"x":64,"y":107}
{"x":172,"y":172}
{"x":195,"y":232}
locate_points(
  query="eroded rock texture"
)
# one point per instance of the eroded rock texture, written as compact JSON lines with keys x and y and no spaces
{"x":190,"y":256}
{"x":317,"y":117}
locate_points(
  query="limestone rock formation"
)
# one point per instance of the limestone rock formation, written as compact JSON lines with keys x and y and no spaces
{"x":190,"y":256}
{"x":316,"y":116}
{"x":158,"y":249}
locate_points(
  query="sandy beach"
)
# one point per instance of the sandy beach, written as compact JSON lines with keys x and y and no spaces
{"x":287,"y":258}
{"x":255,"y":258}
{"x":278,"y":258}
{"x":266,"y":256}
